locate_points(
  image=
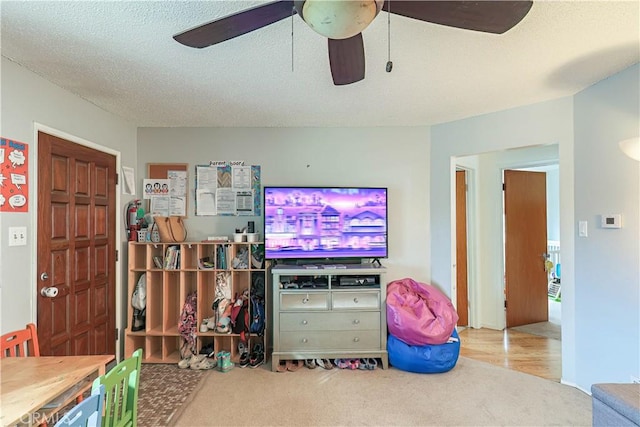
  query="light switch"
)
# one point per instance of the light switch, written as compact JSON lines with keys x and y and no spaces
{"x":582,"y":229}
{"x":17,"y":236}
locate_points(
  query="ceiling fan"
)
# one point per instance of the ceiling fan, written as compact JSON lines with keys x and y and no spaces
{"x":342,"y":22}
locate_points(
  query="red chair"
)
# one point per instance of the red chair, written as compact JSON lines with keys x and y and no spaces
{"x":20,"y":343}
{"x":24,"y":343}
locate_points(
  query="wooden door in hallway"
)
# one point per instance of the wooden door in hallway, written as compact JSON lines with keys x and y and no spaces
{"x":76,"y":248}
{"x":462,"y":293}
{"x":525,"y":212}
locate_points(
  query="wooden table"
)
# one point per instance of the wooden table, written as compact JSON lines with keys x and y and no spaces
{"x":34,"y":389}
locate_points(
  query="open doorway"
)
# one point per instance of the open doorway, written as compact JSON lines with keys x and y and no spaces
{"x":485,"y":222}
{"x":485,"y":263}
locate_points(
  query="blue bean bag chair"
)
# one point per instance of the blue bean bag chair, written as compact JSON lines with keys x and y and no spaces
{"x":423,"y":359}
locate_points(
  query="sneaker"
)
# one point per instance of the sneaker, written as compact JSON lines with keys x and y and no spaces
{"x":256,"y":360}
{"x":324,"y":363}
{"x":203,"y":326}
{"x":243,"y":351}
{"x":341,"y":363}
{"x":257,"y":355}
{"x":245,"y":359}
{"x":207,"y":350}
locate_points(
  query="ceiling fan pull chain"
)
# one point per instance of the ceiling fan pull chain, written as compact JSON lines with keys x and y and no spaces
{"x":293,"y":12}
{"x":389,"y":63}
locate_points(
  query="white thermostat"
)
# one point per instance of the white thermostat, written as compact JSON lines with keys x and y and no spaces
{"x":611,"y":221}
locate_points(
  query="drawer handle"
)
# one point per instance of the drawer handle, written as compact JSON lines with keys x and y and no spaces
{"x":356,"y":339}
{"x":304,"y":340}
{"x":355,"y":300}
{"x":356,"y":322}
{"x":305,"y":300}
{"x":304,"y":322}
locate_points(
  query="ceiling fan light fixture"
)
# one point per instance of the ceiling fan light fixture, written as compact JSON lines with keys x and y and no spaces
{"x":631,"y":147}
{"x":343,"y":21}
{"x":339,"y":19}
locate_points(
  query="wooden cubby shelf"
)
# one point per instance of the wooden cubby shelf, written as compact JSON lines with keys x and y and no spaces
{"x":197,"y":269}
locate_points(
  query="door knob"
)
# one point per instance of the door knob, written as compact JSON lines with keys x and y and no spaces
{"x":49,"y":292}
{"x":44,"y":276}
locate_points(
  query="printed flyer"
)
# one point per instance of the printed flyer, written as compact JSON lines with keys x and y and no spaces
{"x":14,"y":181}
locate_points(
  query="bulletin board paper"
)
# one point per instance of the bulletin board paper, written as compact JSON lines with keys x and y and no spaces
{"x":228,"y":188}
{"x":172,"y":200}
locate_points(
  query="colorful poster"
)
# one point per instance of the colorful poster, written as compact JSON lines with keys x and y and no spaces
{"x":14,"y":176}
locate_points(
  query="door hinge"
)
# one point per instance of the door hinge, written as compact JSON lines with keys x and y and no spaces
{"x":505,"y":303}
{"x":117,"y":178}
{"x":117,"y":255}
{"x":117,"y":334}
{"x":504,"y":186}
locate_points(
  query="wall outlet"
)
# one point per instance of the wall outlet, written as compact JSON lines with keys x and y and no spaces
{"x":635,"y":380}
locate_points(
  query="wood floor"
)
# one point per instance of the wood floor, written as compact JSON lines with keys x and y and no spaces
{"x":532,"y":354}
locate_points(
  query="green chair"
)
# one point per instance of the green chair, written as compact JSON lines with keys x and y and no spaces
{"x":121,"y":394}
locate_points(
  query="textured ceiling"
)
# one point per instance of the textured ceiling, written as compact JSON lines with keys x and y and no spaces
{"x":120,"y":56}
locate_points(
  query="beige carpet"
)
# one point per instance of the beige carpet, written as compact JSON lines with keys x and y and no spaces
{"x":472,"y":394}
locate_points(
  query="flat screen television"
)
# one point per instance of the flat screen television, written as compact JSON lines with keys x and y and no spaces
{"x":325,"y":223}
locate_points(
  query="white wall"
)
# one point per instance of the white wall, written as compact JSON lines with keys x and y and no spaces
{"x":396,"y":158}
{"x":553,"y":202}
{"x":28,"y":100}
{"x":607,"y":262}
{"x":600,"y":274}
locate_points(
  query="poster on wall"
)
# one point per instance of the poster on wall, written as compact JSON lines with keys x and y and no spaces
{"x":167,"y":196}
{"x":14,"y":176}
{"x":228,"y":188}
{"x":166,"y":188}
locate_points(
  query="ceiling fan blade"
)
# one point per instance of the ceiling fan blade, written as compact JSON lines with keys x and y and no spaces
{"x":236,"y":25}
{"x":486,"y":16}
{"x":346,"y":57}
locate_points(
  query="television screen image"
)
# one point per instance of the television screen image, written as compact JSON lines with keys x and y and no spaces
{"x":325,"y":222}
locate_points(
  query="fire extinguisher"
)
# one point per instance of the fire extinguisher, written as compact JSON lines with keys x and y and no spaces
{"x":132,"y":220}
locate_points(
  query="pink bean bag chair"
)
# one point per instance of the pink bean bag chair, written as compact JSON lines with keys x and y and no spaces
{"x":419,"y":314}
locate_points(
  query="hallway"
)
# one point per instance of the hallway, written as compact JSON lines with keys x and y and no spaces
{"x":513,"y":349}
{"x":532,"y":354}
